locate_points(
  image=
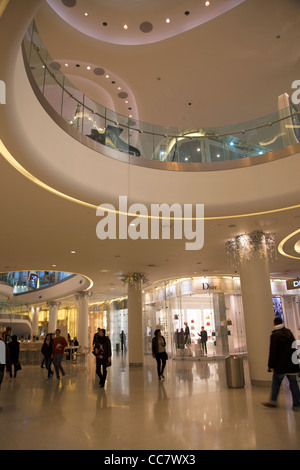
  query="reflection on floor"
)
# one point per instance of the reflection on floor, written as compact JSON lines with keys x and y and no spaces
{"x":192,"y":409}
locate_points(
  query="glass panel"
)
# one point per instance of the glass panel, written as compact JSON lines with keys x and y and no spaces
{"x":124,"y":134}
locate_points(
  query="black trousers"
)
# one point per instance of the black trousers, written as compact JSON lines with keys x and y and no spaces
{"x":161,"y":363}
{"x":101,"y":371}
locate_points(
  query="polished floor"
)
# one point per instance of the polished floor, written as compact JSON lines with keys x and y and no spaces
{"x":193,"y":409}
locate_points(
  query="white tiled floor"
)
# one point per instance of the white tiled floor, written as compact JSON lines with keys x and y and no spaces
{"x":192,"y":409}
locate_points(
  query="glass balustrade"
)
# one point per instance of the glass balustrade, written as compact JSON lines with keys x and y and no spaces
{"x":112,"y":130}
{"x":27,"y":281}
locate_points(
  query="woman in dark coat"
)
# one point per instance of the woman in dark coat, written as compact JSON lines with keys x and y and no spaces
{"x":159,"y":353}
{"x":102,"y":352}
{"x":47,"y":353}
{"x":14,"y":351}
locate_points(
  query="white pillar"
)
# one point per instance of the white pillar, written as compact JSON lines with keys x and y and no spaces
{"x":83,"y":319}
{"x":35,"y":320}
{"x":135,"y":341}
{"x":252,"y":252}
{"x":52,"y":324}
{"x":258,"y":314}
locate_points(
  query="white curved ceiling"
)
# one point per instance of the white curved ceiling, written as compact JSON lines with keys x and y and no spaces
{"x":135,"y":22}
{"x":226,"y":67}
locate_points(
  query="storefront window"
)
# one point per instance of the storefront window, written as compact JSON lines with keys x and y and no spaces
{"x":213,"y":303}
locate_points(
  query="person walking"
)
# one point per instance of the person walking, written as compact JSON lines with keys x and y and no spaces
{"x":47,"y":353}
{"x":4,"y":358}
{"x":203,"y":338}
{"x":102,"y":351}
{"x":181,"y":342}
{"x":58,"y":349}
{"x":187,"y":338}
{"x":14,"y":351}
{"x":283,"y":361}
{"x":159,"y":353}
{"x":123,"y":341}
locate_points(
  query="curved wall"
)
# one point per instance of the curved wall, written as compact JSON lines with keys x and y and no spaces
{"x":63,"y":163}
{"x":62,"y":289}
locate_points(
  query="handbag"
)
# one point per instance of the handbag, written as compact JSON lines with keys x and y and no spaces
{"x":18,"y":366}
{"x":165,"y":356}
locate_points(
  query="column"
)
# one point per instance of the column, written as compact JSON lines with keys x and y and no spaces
{"x":222,"y":347}
{"x":35,"y":320}
{"x":53,"y":307}
{"x":135,"y":340}
{"x":252,"y":253}
{"x":83,"y":319}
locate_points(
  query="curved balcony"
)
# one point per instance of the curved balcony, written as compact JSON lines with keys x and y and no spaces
{"x":36,"y":286}
{"x":38,"y":141}
{"x":103,"y":129}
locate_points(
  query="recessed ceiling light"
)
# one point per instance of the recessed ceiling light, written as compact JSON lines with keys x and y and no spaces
{"x":106,"y":76}
{"x":125,"y":26}
{"x":168,"y":20}
{"x":119,"y":88}
{"x":53,"y":265}
{"x":207,"y":4}
{"x":88,"y":67}
{"x":86,"y":14}
{"x":66,"y":65}
{"x":73,"y":252}
{"x":126,"y":101}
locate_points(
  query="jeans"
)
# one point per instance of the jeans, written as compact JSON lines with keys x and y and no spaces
{"x":161,"y":363}
{"x":276,"y":383}
{"x":102,"y":376}
{"x":48,"y":362}
{"x":57,"y":358}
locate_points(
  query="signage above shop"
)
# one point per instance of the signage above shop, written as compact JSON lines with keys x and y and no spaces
{"x":293,"y":284}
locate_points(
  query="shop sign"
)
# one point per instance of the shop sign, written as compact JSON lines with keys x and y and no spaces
{"x":293,"y":284}
{"x":207,"y":286}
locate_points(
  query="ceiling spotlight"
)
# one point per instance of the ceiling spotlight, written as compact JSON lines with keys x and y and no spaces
{"x":66,"y":65}
{"x":73,"y":252}
{"x":106,"y":76}
{"x":88,"y":67}
{"x":207,"y":3}
{"x":86,"y":14}
{"x":168,"y":20}
{"x":119,"y":88}
{"x":125,"y":26}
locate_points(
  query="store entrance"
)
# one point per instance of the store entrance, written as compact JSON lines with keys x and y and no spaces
{"x":196,"y":312}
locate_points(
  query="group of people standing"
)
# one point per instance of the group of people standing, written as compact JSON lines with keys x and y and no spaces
{"x":182,"y":339}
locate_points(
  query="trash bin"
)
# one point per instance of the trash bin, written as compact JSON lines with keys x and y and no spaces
{"x":235,"y":372}
{"x":117,"y":347}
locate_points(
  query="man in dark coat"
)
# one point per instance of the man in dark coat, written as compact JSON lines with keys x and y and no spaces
{"x":283,"y":361}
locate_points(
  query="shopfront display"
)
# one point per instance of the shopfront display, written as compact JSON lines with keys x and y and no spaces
{"x":213,"y":304}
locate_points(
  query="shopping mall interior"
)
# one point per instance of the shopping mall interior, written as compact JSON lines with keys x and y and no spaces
{"x":149,"y":180}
